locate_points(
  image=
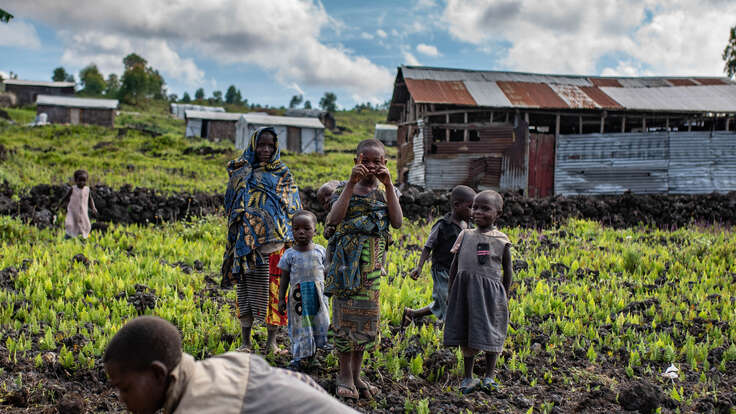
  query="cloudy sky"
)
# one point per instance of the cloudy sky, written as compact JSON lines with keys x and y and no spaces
{"x":272,"y":50}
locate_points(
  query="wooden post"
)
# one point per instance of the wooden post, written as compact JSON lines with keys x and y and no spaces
{"x":623,"y":124}
{"x":580,"y":124}
{"x":667,"y":124}
{"x":689,"y":124}
{"x":466,"y":136}
{"x":526,"y":120}
{"x":644,"y":123}
{"x":507,"y":117}
{"x":491,"y":116}
{"x":603,"y":121}
{"x":557,"y":126}
{"x":447,"y":130}
{"x":728,"y":121}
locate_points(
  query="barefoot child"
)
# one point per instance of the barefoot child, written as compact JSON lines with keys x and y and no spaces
{"x":145,"y":362}
{"x":260,"y":201}
{"x":480,"y":278}
{"x":80,"y":202}
{"x":303,"y":272}
{"x":362,"y":213}
{"x":441,"y":238}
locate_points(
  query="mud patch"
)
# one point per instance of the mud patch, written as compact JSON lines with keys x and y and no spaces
{"x":144,"y":298}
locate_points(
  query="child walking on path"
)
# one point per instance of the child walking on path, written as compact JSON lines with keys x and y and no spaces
{"x":80,"y":203}
{"x":441,"y":239}
{"x":480,"y":279}
{"x":260,"y":201}
{"x":362,"y":213}
{"x":303,"y":272}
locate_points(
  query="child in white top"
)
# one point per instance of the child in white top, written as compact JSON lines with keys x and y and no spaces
{"x":80,"y":203}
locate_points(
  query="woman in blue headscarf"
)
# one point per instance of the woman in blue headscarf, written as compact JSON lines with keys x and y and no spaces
{"x":260,"y":201}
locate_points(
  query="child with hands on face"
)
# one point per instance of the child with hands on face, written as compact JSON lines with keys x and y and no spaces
{"x":303,"y":273}
{"x":362,"y":214}
{"x":480,"y":278}
{"x":80,"y":204}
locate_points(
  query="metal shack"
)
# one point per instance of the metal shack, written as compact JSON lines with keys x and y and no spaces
{"x":179,"y":110}
{"x":70,"y":110}
{"x":386,"y":133}
{"x":26,"y":91}
{"x":301,"y":135}
{"x":211,"y":125}
{"x":555,"y":134}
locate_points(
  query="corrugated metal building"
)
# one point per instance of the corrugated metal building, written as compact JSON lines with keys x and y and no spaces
{"x":179,"y":110}
{"x":211,"y":125}
{"x":386,"y":133}
{"x":69,"y":110}
{"x":325,"y":117}
{"x":499,"y":130}
{"x":301,"y":135}
{"x":26,"y":91}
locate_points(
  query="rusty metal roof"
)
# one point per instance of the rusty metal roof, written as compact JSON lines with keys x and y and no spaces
{"x":495,"y":89}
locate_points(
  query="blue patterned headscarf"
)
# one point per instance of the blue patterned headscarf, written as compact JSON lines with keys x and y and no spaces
{"x":260,"y":200}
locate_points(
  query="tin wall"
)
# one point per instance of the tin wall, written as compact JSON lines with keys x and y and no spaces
{"x":662,"y":162}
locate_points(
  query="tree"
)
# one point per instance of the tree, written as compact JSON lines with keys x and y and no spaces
{"x":186,"y":98}
{"x":173,"y":97}
{"x":60,"y":75}
{"x":216,"y":97}
{"x":91,"y":80}
{"x":112,"y":85}
{"x":233,"y":96}
{"x":140,"y":81}
{"x":328,"y":102}
{"x":296,"y":100}
{"x":199,"y":94}
{"x":5,"y":16}
{"x":729,"y":54}
{"x":307,"y":105}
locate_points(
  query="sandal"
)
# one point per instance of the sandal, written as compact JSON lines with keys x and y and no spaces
{"x":489,"y":384}
{"x":368,"y":391}
{"x":405,"y":318}
{"x":469,"y":385}
{"x":345,"y":391}
{"x":244,"y":348}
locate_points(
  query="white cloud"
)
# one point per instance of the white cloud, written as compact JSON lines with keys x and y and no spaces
{"x":684,"y":36}
{"x":428,"y":50}
{"x":425,"y":4}
{"x":627,"y":68}
{"x":394,"y":32}
{"x":4,"y":75}
{"x":366,"y":36}
{"x":279,"y":37}
{"x":19,"y":33}
{"x":410,"y":59}
{"x":381,"y":34}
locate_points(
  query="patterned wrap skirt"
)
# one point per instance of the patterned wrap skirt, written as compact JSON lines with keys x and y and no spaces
{"x":258,"y":293}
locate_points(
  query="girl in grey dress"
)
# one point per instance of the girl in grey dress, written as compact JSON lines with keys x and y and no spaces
{"x":480,"y":278}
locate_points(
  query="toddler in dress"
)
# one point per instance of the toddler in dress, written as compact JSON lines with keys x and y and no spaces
{"x":80,"y":203}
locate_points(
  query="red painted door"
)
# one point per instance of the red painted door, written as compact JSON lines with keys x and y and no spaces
{"x":541,"y":165}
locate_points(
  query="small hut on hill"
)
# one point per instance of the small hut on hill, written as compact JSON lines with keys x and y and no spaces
{"x":386,"y":133}
{"x":211,"y":125}
{"x":179,"y":110}
{"x":301,"y":135}
{"x":70,"y":110}
{"x":26,"y":91}
{"x":325,"y":117}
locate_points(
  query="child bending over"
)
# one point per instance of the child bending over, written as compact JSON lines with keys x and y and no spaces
{"x":480,"y":278}
{"x":80,"y":202}
{"x":303,"y":272}
{"x":441,"y":239}
{"x":362,"y":213}
{"x":144,"y":361}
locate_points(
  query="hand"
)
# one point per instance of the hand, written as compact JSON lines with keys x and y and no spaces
{"x":94,"y":212}
{"x":359,"y":171}
{"x":282,"y":305}
{"x":383,"y":175}
{"x":415,"y":273}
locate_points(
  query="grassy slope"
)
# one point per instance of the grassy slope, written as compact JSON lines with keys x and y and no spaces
{"x":50,"y":154}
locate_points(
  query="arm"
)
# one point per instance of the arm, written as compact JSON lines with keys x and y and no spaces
{"x":65,"y":199}
{"x":423,"y":258}
{"x":340,"y":207}
{"x":508,"y":269}
{"x":91,"y":203}
{"x":395,"y":215}
{"x":283,"y":285}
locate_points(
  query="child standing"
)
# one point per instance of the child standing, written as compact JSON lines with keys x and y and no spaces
{"x":362,"y":213}
{"x":80,"y":204}
{"x":303,"y":272}
{"x":260,"y":201}
{"x":480,"y":279}
{"x":441,"y":239}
